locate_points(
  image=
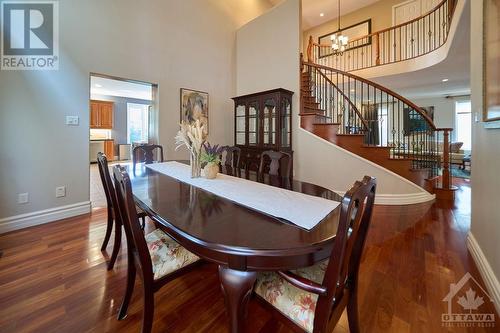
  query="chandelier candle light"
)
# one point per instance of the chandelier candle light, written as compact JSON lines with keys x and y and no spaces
{"x":339,"y":41}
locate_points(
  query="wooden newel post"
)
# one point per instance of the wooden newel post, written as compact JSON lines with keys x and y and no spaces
{"x":377,"y":49}
{"x":446,"y":159}
{"x":309,"y":50}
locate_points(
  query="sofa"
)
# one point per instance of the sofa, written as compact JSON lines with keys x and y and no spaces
{"x":456,"y":153}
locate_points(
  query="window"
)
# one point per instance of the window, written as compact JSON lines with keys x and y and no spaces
{"x":463,"y":123}
{"x":137,"y":123}
{"x":383,"y":121}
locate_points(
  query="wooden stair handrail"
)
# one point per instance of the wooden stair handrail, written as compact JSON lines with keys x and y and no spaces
{"x":378,"y":86}
{"x":365,"y":123}
{"x":396,"y":26}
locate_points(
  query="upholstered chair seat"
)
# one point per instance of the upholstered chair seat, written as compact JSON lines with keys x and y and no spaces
{"x":167,"y":255}
{"x":296,"y":304}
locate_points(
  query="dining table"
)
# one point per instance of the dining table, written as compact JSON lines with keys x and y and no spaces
{"x":241,"y":240}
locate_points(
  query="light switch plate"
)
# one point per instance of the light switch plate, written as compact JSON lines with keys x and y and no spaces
{"x":60,"y":191}
{"x":72,"y":120}
{"x":22,"y":198}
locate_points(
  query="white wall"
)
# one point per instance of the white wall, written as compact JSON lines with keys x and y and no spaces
{"x":268,"y":57}
{"x":188,"y":43}
{"x":485,"y":180}
{"x":267,"y":54}
{"x":380,"y":13}
{"x":444,"y":110}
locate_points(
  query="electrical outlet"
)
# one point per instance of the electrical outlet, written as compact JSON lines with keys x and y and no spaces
{"x":23,"y":198}
{"x":72,"y":120}
{"x":60,"y":191}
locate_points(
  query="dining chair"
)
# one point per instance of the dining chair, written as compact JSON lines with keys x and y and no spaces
{"x":157,"y":257}
{"x":312,"y":299}
{"x":113,"y":216}
{"x":233,"y":154}
{"x":275,"y":167}
{"x":145,"y":154}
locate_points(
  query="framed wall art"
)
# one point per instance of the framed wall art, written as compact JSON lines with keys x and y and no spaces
{"x":194,"y":105}
{"x":352,"y":32}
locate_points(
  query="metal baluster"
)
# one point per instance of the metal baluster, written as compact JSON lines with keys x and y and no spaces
{"x":418,"y":37}
{"x":434,"y":29}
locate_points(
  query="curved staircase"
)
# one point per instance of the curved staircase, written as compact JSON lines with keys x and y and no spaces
{"x":373,"y":121}
{"x":377,"y":124}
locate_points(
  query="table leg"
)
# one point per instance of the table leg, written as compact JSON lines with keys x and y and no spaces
{"x":237,"y":289}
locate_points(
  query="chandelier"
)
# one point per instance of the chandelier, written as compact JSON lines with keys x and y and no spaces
{"x":339,"y":41}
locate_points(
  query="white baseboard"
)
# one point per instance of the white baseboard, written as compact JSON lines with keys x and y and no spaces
{"x":485,"y":270}
{"x":400,"y":199}
{"x":43,"y":216}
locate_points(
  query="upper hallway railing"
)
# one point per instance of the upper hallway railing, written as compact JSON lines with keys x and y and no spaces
{"x":405,"y":41}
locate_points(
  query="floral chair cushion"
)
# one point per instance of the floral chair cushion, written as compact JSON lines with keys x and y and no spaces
{"x":297,"y":304}
{"x":167,"y":255}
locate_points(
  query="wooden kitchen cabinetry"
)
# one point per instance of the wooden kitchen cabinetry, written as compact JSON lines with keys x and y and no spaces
{"x":109,"y":149}
{"x":101,"y":114}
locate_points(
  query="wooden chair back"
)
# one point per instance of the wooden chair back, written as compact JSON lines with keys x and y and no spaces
{"x":341,"y":274}
{"x":276,"y":163}
{"x":128,"y":213}
{"x":232,"y":156}
{"x":145,"y":154}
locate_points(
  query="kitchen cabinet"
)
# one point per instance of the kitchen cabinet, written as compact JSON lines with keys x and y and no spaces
{"x":101,"y":114}
{"x":109,"y":149}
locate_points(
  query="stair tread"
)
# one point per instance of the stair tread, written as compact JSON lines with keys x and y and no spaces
{"x":315,"y":109}
{"x":350,"y":135}
{"x":337,"y":124}
{"x":312,"y":113}
{"x":379,"y":147}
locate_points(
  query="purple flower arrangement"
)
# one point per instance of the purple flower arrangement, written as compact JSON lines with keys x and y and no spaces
{"x":211,"y":154}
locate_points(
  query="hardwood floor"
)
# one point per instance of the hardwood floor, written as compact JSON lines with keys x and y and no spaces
{"x":53,"y":278}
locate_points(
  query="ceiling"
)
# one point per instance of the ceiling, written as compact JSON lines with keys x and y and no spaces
{"x":110,"y":87}
{"x":311,"y":10}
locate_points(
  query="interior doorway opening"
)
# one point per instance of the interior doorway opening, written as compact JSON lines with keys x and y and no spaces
{"x":123,"y":113}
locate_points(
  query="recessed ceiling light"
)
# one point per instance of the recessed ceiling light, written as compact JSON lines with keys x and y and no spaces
{"x":444,"y":80}
{"x":97,"y":85}
{"x":321,"y":14}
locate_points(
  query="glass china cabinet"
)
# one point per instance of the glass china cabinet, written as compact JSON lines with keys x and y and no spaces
{"x":262,"y":121}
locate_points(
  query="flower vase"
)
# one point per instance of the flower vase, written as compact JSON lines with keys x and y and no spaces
{"x":195,"y":164}
{"x":210,"y":170}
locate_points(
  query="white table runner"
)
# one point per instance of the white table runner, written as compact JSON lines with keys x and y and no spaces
{"x":301,"y":209}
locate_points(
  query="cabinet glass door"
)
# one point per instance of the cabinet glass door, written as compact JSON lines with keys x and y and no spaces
{"x":241,"y":124}
{"x":286,"y":113}
{"x":269,"y":122}
{"x":253,"y":123}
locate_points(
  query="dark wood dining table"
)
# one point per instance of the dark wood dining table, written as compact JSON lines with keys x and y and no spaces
{"x":242,"y":241}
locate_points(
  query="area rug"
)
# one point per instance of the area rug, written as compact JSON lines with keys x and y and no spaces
{"x":456,"y":172}
{"x":459,"y":173}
